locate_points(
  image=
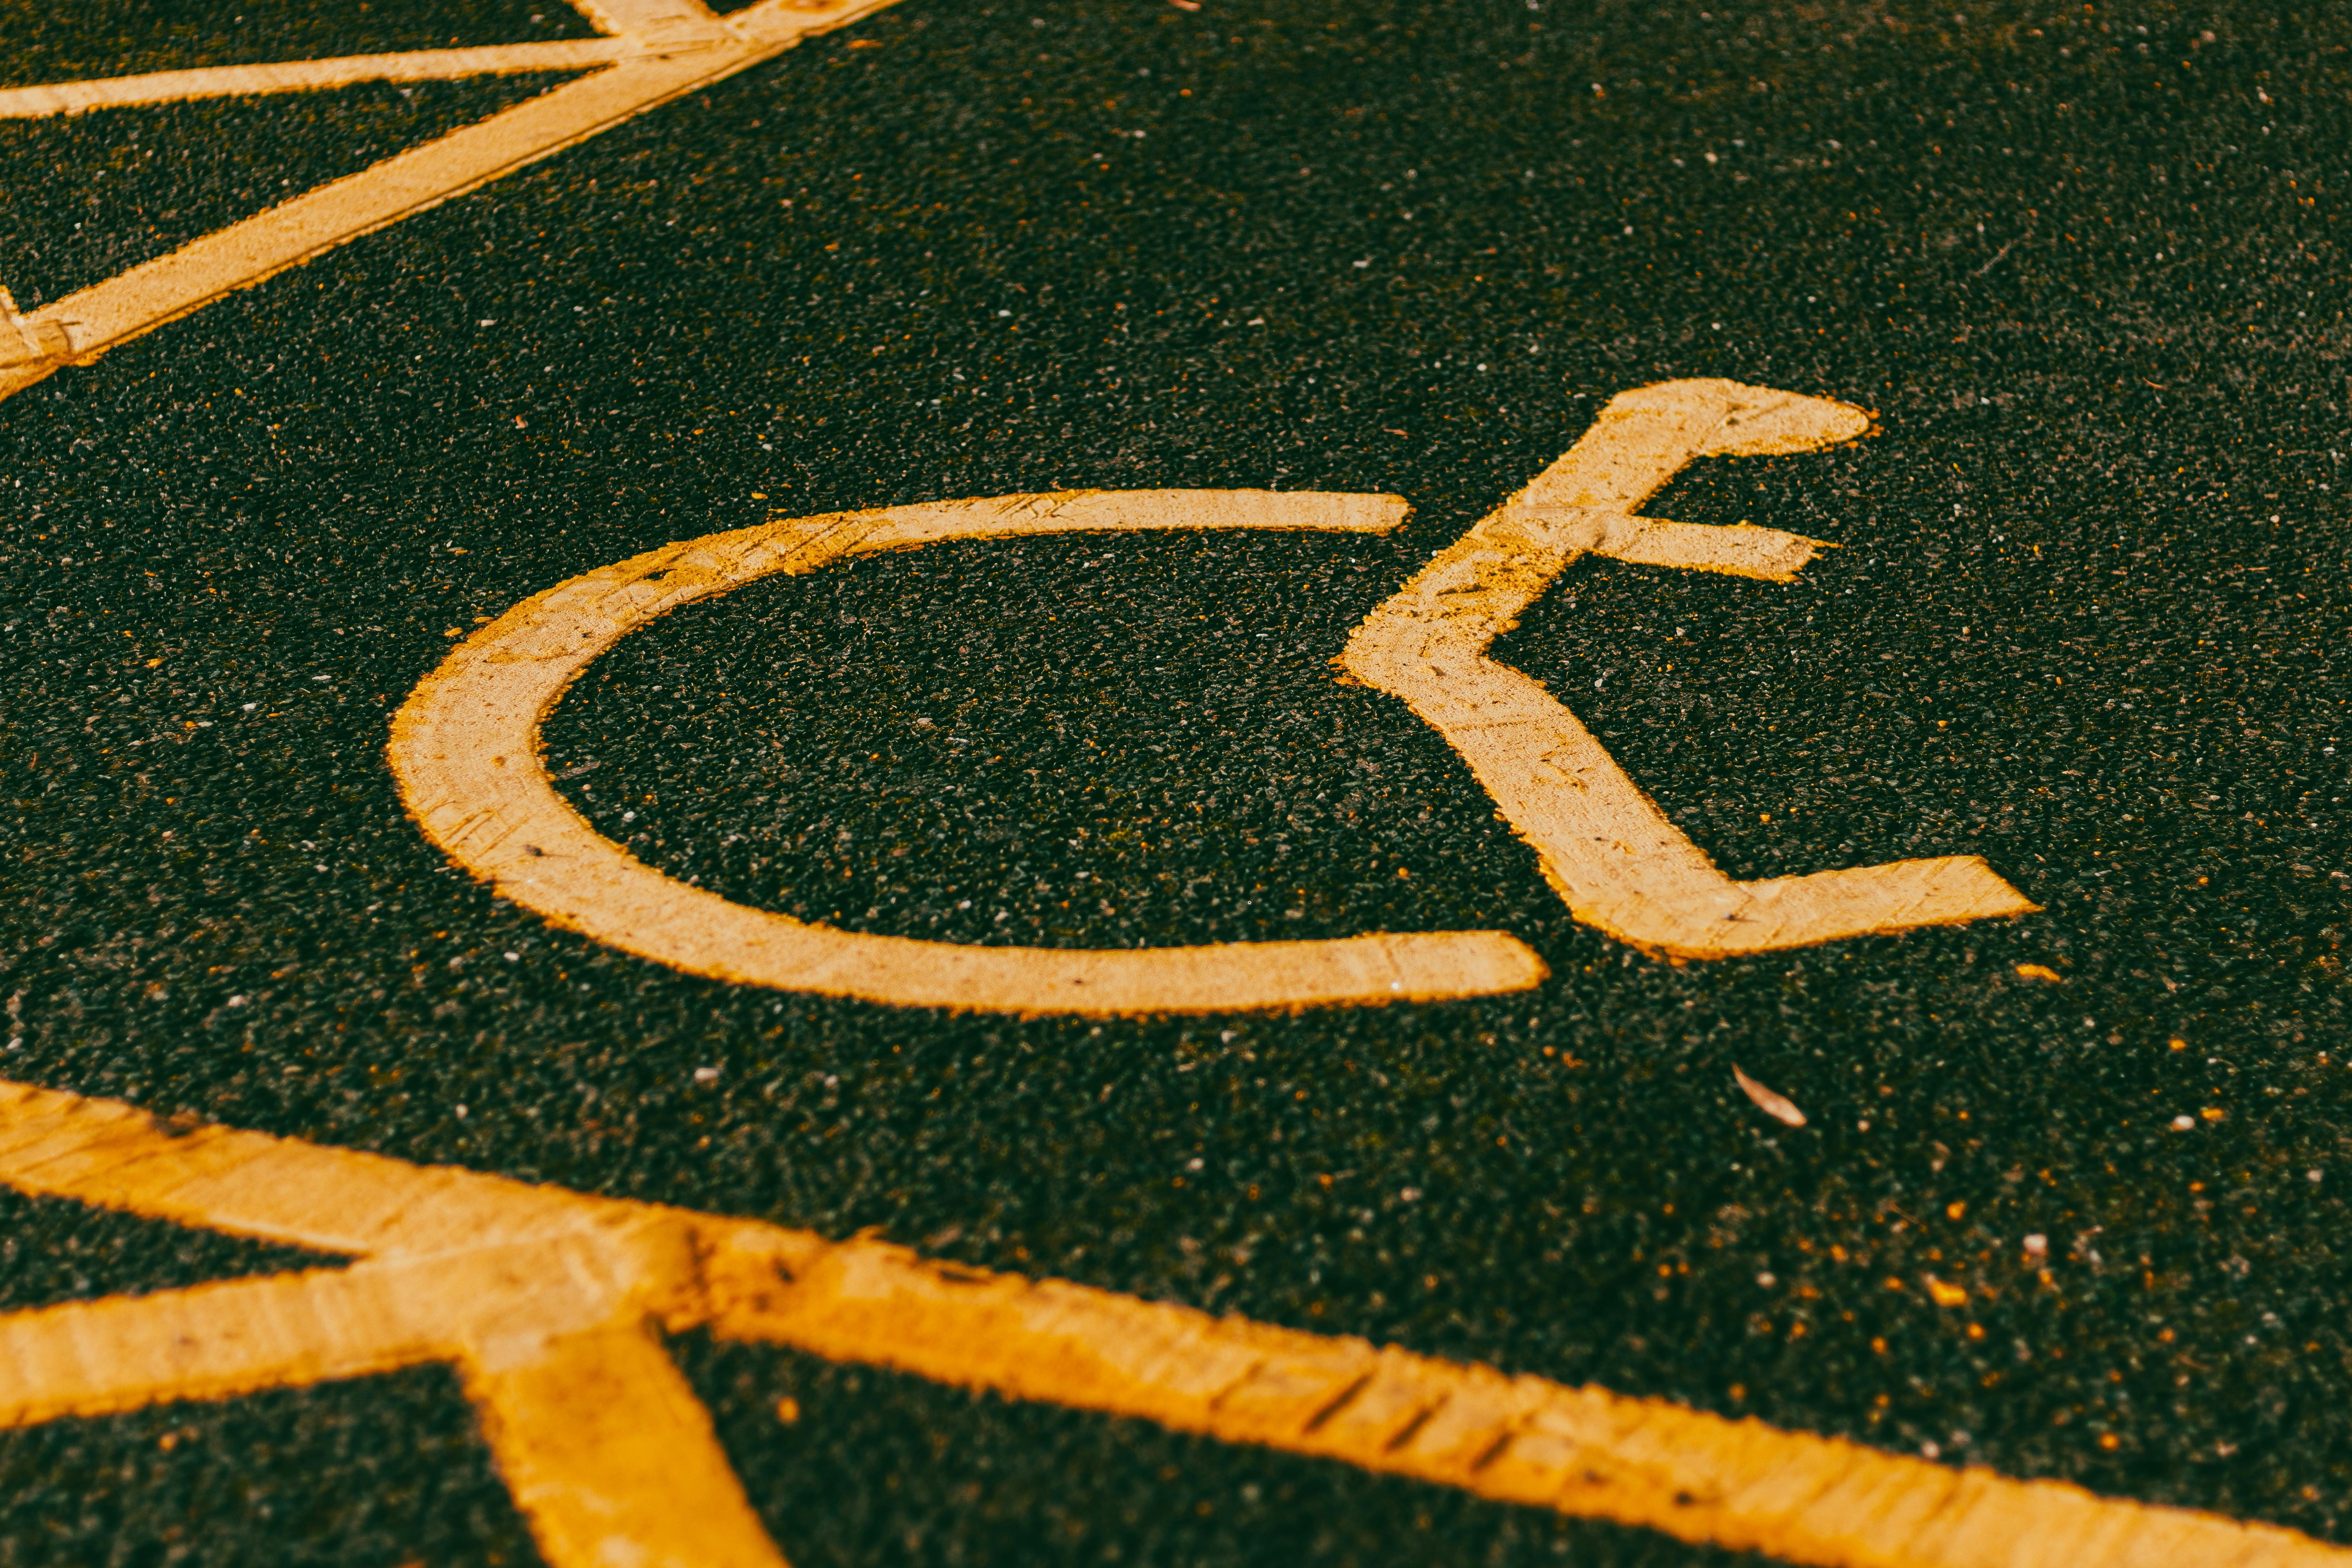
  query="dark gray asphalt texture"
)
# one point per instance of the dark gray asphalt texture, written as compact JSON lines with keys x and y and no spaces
{"x":2089,"y":619}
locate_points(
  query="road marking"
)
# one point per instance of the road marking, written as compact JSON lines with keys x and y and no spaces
{"x":465,"y":752}
{"x":466,"y":746}
{"x":670,"y":47}
{"x":552,"y":1305}
{"x":1618,"y":860}
{"x":51,"y":99}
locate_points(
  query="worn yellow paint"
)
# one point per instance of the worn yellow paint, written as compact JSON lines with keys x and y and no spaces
{"x":666,"y":48}
{"x":1618,"y":860}
{"x":465,"y":748}
{"x":24,"y":341}
{"x":552,"y":1305}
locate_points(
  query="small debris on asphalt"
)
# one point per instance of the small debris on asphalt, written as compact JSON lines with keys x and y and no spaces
{"x":1777,"y":1106}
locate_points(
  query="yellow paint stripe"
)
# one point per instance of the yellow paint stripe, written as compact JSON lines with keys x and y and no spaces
{"x":50,"y":98}
{"x":611,"y":1458}
{"x":302,"y":1194}
{"x":465,"y":752}
{"x":1618,"y":862}
{"x":602,"y":1441}
{"x":238,"y":1337}
{"x":695,"y":53}
{"x":1736,"y":1484}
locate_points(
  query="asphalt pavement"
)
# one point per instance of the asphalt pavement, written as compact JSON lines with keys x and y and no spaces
{"x":2088,"y":616}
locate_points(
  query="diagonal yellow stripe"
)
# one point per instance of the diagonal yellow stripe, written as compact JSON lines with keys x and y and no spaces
{"x":49,"y":98}
{"x":1585,"y":1451}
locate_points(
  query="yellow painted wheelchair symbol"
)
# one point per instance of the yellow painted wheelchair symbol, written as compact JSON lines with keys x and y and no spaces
{"x":466,"y":746}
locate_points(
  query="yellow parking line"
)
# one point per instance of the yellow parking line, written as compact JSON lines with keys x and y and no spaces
{"x":580,"y":1426}
{"x":675,"y":47}
{"x":49,"y":98}
{"x":543,"y":1300}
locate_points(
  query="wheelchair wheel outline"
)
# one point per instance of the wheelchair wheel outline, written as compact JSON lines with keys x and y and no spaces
{"x":466,"y":752}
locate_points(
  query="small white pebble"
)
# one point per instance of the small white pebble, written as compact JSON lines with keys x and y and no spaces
{"x":706,"y":1075}
{"x":2037,"y":1245}
{"x":513,"y":957}
{"x":236,"y":1001}
{"x":2183,"y":1123}
{"x":1768,"y":1280}
{"x":1411,"y":1194}
{"x":461,"y":1113}
{"x":2310,"y":1175}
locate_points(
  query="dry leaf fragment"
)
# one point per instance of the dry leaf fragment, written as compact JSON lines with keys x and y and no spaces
{"x":1945,"y":1295}
{"x":1779,"y":1107}
{"x":2040,"y":972}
